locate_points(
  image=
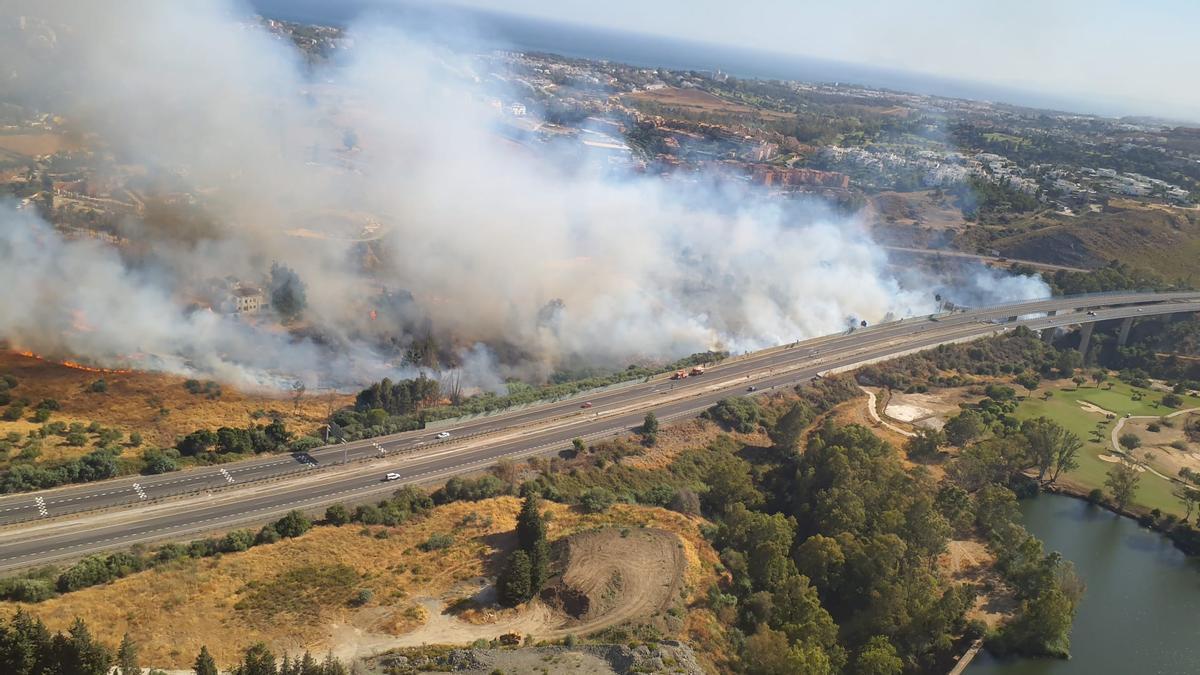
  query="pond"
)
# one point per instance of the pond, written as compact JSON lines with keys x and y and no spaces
{"x":1141,"y":611}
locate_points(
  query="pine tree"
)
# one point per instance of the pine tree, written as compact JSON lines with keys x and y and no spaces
{"x":258,"y":661}
{"x":127,"y":660}
{"x":514,"y":582}
{"x":531,"y":527}
{"x":205,"y":665}
{"x":539,"y":566}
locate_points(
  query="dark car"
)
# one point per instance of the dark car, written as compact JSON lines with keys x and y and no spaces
{"x":586,"y":405}
{"x":752,"y":388}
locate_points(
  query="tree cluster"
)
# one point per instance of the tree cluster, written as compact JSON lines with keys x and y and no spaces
{"x":528,"y":567}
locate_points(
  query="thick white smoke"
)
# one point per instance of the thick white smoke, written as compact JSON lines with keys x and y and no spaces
{"x":546,"y":262}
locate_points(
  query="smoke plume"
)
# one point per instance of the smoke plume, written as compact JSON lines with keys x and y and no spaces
{"x":520,"y":262}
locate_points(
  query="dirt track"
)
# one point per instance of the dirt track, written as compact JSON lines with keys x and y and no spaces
{"x":609,"y":579}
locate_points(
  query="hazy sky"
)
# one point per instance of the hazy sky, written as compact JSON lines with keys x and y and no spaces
{"x":1141,"y":54}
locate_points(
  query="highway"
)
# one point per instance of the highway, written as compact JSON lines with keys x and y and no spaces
{"x":69,"y":522}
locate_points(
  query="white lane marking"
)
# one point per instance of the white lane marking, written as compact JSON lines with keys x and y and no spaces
{"x":140,"y":492}
{"x":41,"y":504}
{"x":228,"y":478}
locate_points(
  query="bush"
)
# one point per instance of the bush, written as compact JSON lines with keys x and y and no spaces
{"x":26,"y":589}
{"x":597,"y":500}
{"x":362,"y":597}
{"x":1172,"y":400}
{"x":437,"y":542}
{"x":738,"y":413}
{"x":238,"y":540}
{"x":1096,"y":496}
{"x":267,"y":535}
{"x":468,"y":489}
{"x":99,"y":386}
{"x":293,"y":524}
{"x":337,"y":514}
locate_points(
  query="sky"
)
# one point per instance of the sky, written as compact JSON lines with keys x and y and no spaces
{"x":1135,"y":56}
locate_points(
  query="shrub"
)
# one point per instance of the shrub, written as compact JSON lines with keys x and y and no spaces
{"x":99,"y":386}
{"x":738,"y":413}
{"x":437,"y":542}
{"x":337,"y":514}
{"x":597,"y":500}
{"x":1096,"y":496}
{"x":293,"y":524}
{"x":1172,"y":400}
{"x":362,"y":597}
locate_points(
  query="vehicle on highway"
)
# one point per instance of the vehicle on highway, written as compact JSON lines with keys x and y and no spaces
{"x":391,"y":476}
{"x":443,"y":434}
{"x":752,"y":388}
{"x":1091,"y":313}
{"x":586,"y":405}
{"x":698,"y":370}
{"x":679,"y":375}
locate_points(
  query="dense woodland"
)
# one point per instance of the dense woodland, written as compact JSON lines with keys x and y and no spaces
{"x":27,"y":647}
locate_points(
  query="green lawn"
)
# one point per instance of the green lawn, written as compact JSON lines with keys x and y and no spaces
{"x":1063,"y":407}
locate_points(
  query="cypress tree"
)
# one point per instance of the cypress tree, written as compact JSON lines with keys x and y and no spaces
{"x":127,"y":660}
{"x":531,"y":527}
{"x":514,"y":583}
{"x":205,"y":665}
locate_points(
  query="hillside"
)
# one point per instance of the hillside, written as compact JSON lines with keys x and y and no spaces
{"x":1161,"y":239}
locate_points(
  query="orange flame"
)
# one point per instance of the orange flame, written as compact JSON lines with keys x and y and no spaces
{"x":72,"y":364}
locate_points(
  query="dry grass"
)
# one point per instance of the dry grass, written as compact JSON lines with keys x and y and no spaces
{"x":153,"y":404}
{"x":36,"y":144}
{"x":293,"y":594}
{"x":698,"y":102}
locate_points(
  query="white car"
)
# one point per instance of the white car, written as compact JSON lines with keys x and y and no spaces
{"x":444,"y":434}
{"x":392,"y":476}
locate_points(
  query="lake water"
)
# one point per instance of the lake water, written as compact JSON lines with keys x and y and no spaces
{"x":1141,"y":611}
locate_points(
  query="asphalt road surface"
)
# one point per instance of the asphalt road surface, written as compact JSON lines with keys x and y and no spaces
{"x":69,"y":522}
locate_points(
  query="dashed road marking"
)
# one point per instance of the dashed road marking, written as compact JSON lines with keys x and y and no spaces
{"x":140,"y":492}
{"x":41,"y":505}
{"x":228,"y":478}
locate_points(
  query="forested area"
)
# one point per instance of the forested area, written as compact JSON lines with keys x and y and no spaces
{"x":27,"y":647}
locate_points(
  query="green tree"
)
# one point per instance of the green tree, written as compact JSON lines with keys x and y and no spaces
{"x":293,"y":524}
{"x":1029,"y":380}
{"x":513,"y":585}
{"x":878,"y":657}
{"x":1122,"y":483}
{"x":258,"y":660}
{"x":205,"y":665}
{"x":127,"y":659}
{"x":1050,"y":446}
{"x":78,"y":653}
{"x":768,"y":652}
{"x":1130,"y":441}
{"x":787,"y":431}
{"x":964,"y":427}
{"x":925,"y":445}
{"x":729,"y":482}
{"x":1188,"y":498}
{"x":1068,"y":361}
{"x":1099,"y":375}
{"x":539,"y":566}
{"x":288,"y":294}
{"x":597,"y":500}
{"x":531,"y":524}
{"x":650,"y":424}
{"x":337,"y":514}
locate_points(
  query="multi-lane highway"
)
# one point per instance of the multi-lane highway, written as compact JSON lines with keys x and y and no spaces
{"x":73,"y":521}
